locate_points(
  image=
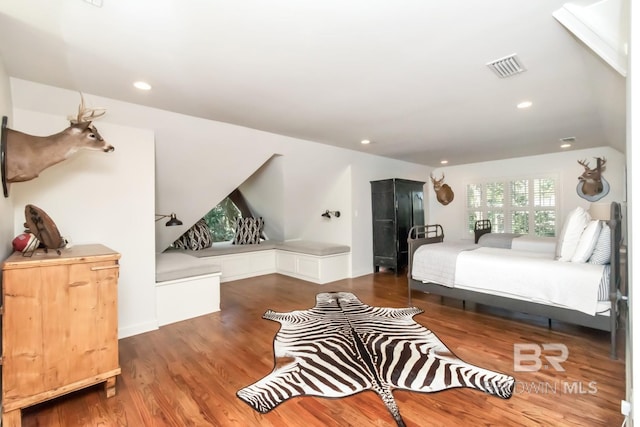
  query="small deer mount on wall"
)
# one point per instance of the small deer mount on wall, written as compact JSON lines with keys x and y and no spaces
{"x":591,"y":184}
{"x":24,"y":156}
{"x":444,"y":193}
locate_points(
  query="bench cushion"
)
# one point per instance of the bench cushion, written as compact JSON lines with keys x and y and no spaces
{"x":174,"y":265}
{"x":313,"y":248}
{"x":226,"y":248}
{"x":300,"y":246}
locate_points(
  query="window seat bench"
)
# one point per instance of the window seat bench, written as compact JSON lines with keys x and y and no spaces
{"x":188,"y":282}
{"x":186,"y":287}
{"x":318,"y":262}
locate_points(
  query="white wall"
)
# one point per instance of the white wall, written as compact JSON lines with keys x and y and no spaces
{"x":199,"y":162}
{"x":363,"y":171}
{"x":633,"y":210}
{"x":337,"y":198}
{"x":563,"y":165}
{"x":6,"y":205}
{"x":106,"y":198}
{"x":264,"y":193}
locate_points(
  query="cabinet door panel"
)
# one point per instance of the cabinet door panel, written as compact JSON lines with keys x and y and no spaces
{"x":384,"y":239}
{"x":383,"y":205}
{"x":417,"y":198}
{"x":22,"y":333}
{"x":405,"y":219}
{"x":397,"y":205}
{"x":61,"y":326}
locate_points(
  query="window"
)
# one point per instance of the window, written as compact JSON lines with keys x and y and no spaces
{"x":525,"y":206}
{"x":221,"y":220}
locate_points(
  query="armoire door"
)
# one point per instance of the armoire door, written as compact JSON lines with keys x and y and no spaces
{"x":384,"y":227}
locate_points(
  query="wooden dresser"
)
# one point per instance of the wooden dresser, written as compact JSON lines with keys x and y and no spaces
{"x":59,"y":325}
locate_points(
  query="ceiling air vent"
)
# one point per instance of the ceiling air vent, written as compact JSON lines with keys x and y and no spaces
{"x":507,"y":66}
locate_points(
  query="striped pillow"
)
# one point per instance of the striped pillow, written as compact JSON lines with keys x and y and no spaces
{"x":248,"y":231}
{"x":602,"y":252}
{"x":196,"y":238}
{"x":603,"y":289}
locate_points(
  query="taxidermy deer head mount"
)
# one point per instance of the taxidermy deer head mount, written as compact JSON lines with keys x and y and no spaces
{"x":444,"y":193}
{"x":592,"y":178}
{"x":27,"y":155}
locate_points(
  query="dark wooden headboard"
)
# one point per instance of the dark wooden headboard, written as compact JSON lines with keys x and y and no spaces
{"x":482,"y":226}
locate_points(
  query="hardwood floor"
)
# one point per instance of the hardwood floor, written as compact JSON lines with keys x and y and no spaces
{"x":187,"y":373}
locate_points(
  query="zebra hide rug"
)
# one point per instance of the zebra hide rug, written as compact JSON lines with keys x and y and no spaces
{"x":341,"y":347}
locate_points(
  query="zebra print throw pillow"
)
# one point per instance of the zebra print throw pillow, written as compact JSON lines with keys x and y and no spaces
{"x":196,"y":238}
{"x":342,"y":347}
{"x":248,"y":231}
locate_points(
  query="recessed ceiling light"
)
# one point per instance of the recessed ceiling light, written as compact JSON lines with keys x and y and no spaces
{"x":444,"y":162}
{"x":365,"y":142}
{"x":142,"y":85}
{"x":565,"y":145}
{"x":524,"y":104}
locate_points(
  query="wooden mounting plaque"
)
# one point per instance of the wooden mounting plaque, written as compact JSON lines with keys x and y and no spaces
{"x":40,"y":224}
{"x":3,"y":157}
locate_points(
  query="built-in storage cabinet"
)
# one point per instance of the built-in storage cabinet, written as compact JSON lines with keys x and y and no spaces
{"x":397,"y":205}
{"x":317,"y":269}
{"x":59,"y":325}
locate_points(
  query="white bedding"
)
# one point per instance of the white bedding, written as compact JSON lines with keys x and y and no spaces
{"x":535,"y":244}
{"x":521,"y":242}
{"x":539,"y":279}
{"x":531,"y":276}
{"x":436,"y":262}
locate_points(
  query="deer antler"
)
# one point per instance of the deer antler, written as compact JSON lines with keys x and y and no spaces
{"x":86,"y":115}
{"x":584,"y":163}
{"x":601,"y":162}
{"x":435,"y":180}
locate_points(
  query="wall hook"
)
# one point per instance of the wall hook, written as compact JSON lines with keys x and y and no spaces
{"x":328,"y":214}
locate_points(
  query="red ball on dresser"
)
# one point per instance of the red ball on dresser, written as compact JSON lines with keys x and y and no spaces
{"x":25,"y":242}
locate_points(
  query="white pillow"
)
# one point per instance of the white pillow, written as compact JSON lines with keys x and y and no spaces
{"x":572,"y":229}
{"x":587,"y":241}
{"x":602,"y":252}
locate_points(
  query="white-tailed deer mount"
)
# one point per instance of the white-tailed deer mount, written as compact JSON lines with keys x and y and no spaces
{"x":444,"y":193}
{"x":591,"y":184}
{"x":25,"y":156}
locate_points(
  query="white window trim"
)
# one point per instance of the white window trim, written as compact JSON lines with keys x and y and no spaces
{"x":507,"y":208}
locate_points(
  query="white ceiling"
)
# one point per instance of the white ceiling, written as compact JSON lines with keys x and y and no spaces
{"x":409,"y":75}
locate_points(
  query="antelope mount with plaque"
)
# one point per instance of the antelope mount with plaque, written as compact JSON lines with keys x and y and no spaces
{"x":25,"y":156}
{"x":444,"y":193}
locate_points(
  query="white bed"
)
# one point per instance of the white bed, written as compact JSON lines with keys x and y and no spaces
{"x":524,"y":275}
{"x":536,"y":280}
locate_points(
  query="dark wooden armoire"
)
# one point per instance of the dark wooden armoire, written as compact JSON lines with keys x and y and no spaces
{"x":397,"y":205}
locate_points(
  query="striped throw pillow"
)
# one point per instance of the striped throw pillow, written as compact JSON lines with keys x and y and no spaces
{"x":196,"y":238}
{"x":248,"y":231}
{"x":602,"y":252}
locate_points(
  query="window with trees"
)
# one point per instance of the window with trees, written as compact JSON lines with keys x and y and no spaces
{"x":221,"y":220}
{"x":525,"y":206}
